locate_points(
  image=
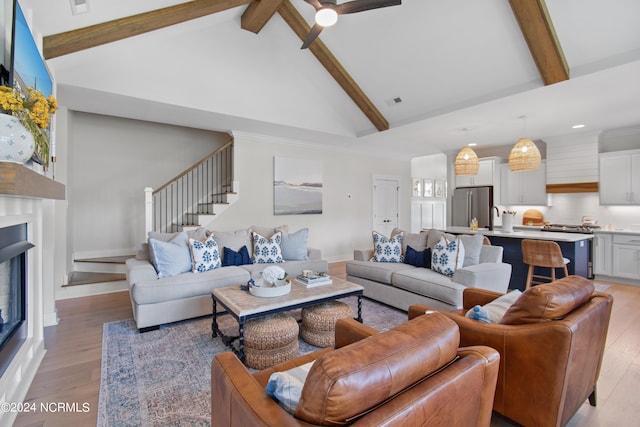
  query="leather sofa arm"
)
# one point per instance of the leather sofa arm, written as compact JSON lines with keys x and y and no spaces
{"x":349,"y":331}
{"x":472,"y":297}
{"x":362,"y":254}
{"x":237,"y":399}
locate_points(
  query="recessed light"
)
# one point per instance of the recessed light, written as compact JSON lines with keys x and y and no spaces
{"x":577,"y":126}
{"x":472,"y":144}
{"x":79,"y":6}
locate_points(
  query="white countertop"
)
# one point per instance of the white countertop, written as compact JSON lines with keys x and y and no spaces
{"x":628,"y":231}
{"x":521,"y":233}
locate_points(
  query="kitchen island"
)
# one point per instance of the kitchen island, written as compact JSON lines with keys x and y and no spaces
{"x":576,"y":247}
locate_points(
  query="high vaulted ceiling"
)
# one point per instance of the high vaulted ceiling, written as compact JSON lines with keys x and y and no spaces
{"x":455,"y":64}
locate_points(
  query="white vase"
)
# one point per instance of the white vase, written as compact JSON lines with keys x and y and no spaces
{"x":507,"y":223}
{"x":16,"y":142}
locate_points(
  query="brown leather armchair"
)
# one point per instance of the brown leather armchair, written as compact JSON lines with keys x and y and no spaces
{"x":551,"y":342}
{"x":411,"y":375}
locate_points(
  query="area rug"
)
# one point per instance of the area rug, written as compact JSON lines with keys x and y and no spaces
{"x":162,"y":377}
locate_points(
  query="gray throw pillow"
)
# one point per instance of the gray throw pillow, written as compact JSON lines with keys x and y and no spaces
{"x":294,"y":245}
{"x":234,"y":240}
{"x":472,"y":247}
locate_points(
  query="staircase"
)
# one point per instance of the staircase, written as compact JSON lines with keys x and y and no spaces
{"x":192,"y":199}
{"x":196,"y":196}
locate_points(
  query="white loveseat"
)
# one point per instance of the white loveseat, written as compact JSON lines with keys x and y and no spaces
{"x":401,"y":285}
{"x":158,"y":300}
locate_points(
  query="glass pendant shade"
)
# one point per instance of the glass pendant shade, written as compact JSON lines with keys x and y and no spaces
{"x":467,"y":162}
{"x":326,"y":17}
{"x":524,"y":156}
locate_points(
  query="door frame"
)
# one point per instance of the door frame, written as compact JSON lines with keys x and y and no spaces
{"x":374,"y":180}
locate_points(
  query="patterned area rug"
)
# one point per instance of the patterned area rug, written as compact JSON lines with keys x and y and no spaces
{"x":162,"y":377}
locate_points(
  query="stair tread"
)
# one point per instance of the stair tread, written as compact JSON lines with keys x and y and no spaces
{"x":85,"y":278}
{"x":107,"y":260}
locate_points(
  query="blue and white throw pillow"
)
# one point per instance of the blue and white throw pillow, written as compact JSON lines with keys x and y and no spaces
{"x":267,"y":251}
{"x":495,"y":310}
{"x":206,"y":255}
{"x":286,"y":387}
{"x":387,"y":249}
{"x":447,"y":256}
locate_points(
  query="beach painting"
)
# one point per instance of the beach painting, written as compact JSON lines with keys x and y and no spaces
{"x":297,"y":186}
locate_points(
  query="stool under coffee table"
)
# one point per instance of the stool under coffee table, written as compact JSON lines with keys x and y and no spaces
{"x":243,"y":306}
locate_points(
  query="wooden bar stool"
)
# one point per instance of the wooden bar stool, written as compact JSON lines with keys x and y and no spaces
{"x":542,"y":253}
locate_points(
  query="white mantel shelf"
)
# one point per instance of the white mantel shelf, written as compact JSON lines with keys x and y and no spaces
{"x":524,"y":234}
{"x":19,"y":181}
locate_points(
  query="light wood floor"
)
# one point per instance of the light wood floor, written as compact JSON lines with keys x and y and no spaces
{"x":70,"y":371}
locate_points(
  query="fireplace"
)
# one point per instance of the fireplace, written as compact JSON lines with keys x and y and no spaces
{"x":13,"y":290}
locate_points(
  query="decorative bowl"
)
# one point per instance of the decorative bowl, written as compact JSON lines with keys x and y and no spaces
{"x":269,"y":291}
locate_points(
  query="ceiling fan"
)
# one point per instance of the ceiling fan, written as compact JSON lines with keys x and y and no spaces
{"x":327,"y":12}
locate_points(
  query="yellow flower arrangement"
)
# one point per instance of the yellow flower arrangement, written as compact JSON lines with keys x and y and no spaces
{"x":34,"y":111}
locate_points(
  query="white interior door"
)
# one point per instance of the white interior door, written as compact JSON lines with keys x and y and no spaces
{"x":385,"y":204}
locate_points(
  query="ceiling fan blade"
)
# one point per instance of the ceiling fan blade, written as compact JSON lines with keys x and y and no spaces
{"x":315,"y":3}
{"x":362,"y":5}
{"x":315,"y":31}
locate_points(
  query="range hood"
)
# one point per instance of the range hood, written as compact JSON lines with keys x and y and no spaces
{"x":572,"y":166}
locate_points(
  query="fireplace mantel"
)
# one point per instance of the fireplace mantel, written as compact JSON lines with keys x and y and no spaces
{"x":18,"y":180}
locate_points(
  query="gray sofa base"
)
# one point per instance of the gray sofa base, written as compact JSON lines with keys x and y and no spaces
{"x":396,"y":297}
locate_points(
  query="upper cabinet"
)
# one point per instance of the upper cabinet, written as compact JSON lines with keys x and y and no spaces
{"x":485,"y":175}
{"x":524,"y":188}
{"x":620,"y":178}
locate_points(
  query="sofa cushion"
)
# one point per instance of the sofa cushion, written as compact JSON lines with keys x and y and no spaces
{"x":348,"y":382}
{"x":294,"y":245}
{"x":418,"y":258}
{"x":232,"y":257}
{"x":447,"y":256}
{"x":171,"y":258}
{"x":543,"y":303}
{"x":377,"y":271}
{"x":234,"y":240}
{"x":472,"y":248}
{"x":387,"y":249}
{"x":423,"y":281}
{"x":204,"y":254}
{"x":267,"y":250}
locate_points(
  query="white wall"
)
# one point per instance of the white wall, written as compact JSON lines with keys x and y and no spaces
{"x":111,"y":161}
{"x":345,"y":223}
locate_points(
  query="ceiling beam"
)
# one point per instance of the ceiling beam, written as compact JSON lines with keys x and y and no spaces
{"x":258,"y":14}
{"x":299,"y":26}
{"x":537,"y":29}
{"x":107,"y":32}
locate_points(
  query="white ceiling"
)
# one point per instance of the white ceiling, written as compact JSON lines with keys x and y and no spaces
{"x":455,"y":63}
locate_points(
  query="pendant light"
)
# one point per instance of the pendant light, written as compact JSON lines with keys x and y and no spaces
{"x":524,"y":156}
{"x":467,"y":162}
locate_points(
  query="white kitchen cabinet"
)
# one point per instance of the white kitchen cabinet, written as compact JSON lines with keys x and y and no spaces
{"x":428,"y":214}
{"x":484,"y":177}
{"x":620,"y":178}
{"x":523,"y":188}
{"x":626,"y":256}
{"x":602,"y":253}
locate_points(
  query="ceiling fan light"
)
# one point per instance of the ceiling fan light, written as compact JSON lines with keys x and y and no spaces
{"x":524,"y":156}
{"x":467,"y":162}
{"x":326,"y":17}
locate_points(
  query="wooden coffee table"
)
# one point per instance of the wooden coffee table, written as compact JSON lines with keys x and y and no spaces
{"x":243,"y":306}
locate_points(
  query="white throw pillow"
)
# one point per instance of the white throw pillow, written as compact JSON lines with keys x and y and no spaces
{"x":495,"y":310}
{"x":267,"y":251}
{"x":286,"y":386}
{"x":447,"y":256}
{"x":173,"y":257}
{"x":387,"y":249}
{"x":206,"y":255}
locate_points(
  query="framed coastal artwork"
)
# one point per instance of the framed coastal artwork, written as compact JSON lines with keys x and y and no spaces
{"x":297,"y":186}
{"x":416,"y":187}
{"x":428,"y":187}
{"x":440,"y":188}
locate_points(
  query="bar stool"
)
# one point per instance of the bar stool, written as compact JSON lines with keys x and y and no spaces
{"x":542,"y":253}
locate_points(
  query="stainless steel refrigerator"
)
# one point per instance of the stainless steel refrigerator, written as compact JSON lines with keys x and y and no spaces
{"x":472,"y":202}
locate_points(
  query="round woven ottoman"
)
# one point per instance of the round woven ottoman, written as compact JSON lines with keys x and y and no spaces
{"x":319,"y":322}
{"x":270,"y":340}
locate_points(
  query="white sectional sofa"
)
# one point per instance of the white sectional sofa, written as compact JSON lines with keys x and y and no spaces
{"x":401,"y":285}
{"x":157,"y":300}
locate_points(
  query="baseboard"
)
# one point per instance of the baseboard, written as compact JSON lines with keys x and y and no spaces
{"x":620,"y":280}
